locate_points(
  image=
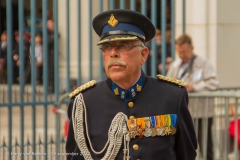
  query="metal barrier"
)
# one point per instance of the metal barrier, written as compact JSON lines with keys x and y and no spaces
{"x":224,"y":146}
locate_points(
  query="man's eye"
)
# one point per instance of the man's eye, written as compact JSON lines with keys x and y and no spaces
{"x":121,"y":46}
{"x":106,"y":46}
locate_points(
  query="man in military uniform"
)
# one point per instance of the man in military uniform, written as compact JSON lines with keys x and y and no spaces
{"x":129,"y":115}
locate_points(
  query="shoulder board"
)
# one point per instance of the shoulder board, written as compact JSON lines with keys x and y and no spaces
{"x":82,"y":88}
{"x":172,"y":80}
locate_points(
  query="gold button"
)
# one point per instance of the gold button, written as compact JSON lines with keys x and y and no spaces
{"x":135,"y":147}
{"x":131,"y":117}
{"x":130,"y":104}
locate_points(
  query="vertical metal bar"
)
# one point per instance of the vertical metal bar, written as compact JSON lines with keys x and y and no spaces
{"x":205,"y":128}
{"x":56,"y":51}
{"x":112,"y":4}
{"x":67,"y":47}
{"x":90,"y":40}
{"x":236,"y":130}
{"x":144,"y":12}
{"x":153,"y":43}
{"x":133,"y":5}
{"x":45,"y":71}
{"x":21,"y":70}
{"x":33,"y":81}
{"x":217,"y":121}
{"x":100,"y":52}
{"x":225,"y":143}
{"x":56,"y":73}
{"x":183,"y":16}
{"x":173,"y":29}
{"x":163,"y":31}
{"x":9,"y":73}
{"x":79,"y":44}
{"x":122,"y":4}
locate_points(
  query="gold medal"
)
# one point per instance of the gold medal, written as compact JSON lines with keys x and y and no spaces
{"x":173,"y":130}
{"x":132,"y":125}
{"x":154,"y":132}
{"x":153,"y":125}
{"x":133,"y":134}
{"x":168,"y":130}
{"x":140,"y":127}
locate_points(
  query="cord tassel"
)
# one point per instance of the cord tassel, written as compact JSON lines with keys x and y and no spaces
{"x":116,"y":133}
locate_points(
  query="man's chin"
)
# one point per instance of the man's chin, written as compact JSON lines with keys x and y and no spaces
{"x":116,"y":76}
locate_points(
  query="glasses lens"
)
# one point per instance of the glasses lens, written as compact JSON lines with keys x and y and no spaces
{"x":106,"y":47}
{"x":121,"y":47}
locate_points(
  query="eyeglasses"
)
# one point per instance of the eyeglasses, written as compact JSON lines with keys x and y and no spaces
{"x":121,"y":47}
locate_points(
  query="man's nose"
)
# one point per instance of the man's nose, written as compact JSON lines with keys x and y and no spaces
{"x":114,"y":53}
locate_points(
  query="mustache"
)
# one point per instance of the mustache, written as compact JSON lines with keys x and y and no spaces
{"x":115,"y":62}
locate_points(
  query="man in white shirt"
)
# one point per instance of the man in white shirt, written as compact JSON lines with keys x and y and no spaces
{"x":199,"y":75}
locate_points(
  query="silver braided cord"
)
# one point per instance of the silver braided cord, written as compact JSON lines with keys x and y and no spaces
{"x":117,"y":132}
{"x":79,"y":129}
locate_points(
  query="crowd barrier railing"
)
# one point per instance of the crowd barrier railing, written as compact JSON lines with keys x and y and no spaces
{"x":219,"y":108}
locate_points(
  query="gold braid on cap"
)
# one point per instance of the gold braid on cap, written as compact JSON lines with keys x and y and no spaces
{"x":172,"y":80}
{"x":82,"y":88}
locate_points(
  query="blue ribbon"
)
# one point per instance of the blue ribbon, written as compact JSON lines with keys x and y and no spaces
{"x":153,"y":121}
{"x":173,"y":119}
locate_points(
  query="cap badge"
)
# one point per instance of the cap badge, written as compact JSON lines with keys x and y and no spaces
{"x":112,"y":21}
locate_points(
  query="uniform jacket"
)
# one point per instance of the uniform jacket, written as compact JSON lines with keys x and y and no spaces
{"x":157,"y":97}
{"x":203,"y":77}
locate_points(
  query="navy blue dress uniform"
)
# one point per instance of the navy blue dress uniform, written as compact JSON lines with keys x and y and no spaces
{"x":159,"y":125}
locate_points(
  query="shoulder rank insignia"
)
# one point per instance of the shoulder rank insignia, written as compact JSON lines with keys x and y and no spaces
{"x":82,"y":88}
{"x":172,"y":80}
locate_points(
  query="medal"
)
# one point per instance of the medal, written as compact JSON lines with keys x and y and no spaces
{"x":148,"y":130}
{"x":168,"y":130}
{"x":140,"y":132}
{"x":154,"y":132}
{"x":132,"y":125}
{"x":161,"y":132}
{"x":133,"y":134}
{"x":173,"y":123}
{"x":173,"y":130}
{"x":140,"y":127}
{"x":153,"y":123}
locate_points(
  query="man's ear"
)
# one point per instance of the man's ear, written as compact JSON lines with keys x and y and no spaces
{"x":144,"y":55}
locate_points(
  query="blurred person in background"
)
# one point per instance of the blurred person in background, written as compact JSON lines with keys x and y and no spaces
{"x":199,"y":75}
{"x":50,"y":28}
{"x":39,"y":58}
{"x":168,"y":60}
{"x":3,"y":58}
{"x":16,"y":54}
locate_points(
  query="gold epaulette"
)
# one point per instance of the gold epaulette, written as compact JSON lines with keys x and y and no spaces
{"x":172,"y":80}
{"x":82,"y":88}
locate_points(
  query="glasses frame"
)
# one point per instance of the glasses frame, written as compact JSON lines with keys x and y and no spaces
{"x":127,"y":47}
